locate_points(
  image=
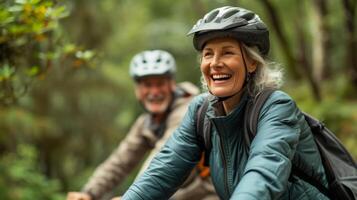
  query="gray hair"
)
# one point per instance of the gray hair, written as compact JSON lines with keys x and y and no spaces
{"x":267,"y":74}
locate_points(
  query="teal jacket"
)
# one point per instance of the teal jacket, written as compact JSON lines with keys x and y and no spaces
{"x":261,"y":171}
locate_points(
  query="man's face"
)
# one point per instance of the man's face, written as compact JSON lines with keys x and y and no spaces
{"x":155,"y":93}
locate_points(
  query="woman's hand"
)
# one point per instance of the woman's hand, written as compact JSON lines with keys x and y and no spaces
{"x":116,"y":198}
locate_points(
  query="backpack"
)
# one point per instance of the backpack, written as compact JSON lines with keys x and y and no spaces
{"x":340,"y":168}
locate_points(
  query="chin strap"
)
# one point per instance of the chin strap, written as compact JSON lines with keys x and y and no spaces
{"x":248,"y":76}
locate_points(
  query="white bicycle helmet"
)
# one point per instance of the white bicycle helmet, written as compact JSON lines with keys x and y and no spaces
{"x":155,"y":62}
{"x":228,"y":21}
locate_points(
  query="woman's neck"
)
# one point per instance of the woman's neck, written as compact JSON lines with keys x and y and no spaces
{"x":232,"y":102}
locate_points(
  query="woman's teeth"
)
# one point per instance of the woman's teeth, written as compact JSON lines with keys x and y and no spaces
{"x":221,"y":77}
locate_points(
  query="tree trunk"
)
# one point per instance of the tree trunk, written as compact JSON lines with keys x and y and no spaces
{"x":351,"y":58}
{"x":302,"y":57}
{"x":282,"y":39}
{"x":321,"y":40}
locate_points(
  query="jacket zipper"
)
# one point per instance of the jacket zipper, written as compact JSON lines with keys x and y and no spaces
{"x":224,"y":160}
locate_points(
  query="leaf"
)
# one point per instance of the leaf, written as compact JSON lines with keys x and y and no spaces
{"x":33,"y":2}
{"x":69,"y":48}
{"x":33,"y":71}
{"x":16,"y":8}
{"x":85,"y":55}
{"x":58,"y":12}
{"x":6,"y":72}
{"x":5,"y":17}
{"x":21,"y":1}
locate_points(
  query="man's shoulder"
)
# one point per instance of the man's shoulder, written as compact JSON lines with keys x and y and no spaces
{"x":182,"y":105}
{"x":189,"y":87}
{"x":197,"y":101}
{"x":140,"y":120}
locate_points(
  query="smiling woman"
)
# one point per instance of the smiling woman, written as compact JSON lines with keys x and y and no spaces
{"x":233,"y":43}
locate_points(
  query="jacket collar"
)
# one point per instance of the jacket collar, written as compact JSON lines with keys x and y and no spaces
{"x":217,"y":110}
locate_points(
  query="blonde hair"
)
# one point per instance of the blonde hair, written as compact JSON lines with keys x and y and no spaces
{"x":267,"y":74}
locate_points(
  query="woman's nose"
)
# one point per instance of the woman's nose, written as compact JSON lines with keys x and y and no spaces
{"x":216,"y":62}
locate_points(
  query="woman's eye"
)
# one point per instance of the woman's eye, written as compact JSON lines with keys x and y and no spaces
{"x":229,"y":52}
{"x":207,"y":54}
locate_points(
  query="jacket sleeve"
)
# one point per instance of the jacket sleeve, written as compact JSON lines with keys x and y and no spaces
{"x":171,"y":166}
{"x":269,"y":164}
{"x":120,"y":163}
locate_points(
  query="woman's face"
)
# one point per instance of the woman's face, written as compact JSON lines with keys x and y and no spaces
{"x":223,"y":68}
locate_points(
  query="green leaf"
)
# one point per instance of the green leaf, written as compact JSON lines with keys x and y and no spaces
{"x":86,"y":55}
{"x":5,"y":17}
{"x":6,"y":72}
{"x":58,"y":12}
{"x":21,"y":1}
{"x":16,"y":8}
{"x":69,"y":48}
{"x":33,"y":71}
{"x":33,"y":2}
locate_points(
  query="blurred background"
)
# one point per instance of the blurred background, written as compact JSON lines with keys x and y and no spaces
{"x":66,"y":98}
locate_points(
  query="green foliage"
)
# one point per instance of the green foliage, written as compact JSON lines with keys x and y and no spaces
{"x":21,"y":178}
{"x":30,"y":44}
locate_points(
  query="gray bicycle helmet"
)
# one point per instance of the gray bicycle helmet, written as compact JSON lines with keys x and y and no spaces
{"x":236,"y":22}
{"x":155,"y":62}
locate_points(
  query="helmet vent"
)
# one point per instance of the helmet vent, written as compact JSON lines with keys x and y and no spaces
{"x":229,"y":13}
{"x":211,"y":16}
{"x":248,"y":16}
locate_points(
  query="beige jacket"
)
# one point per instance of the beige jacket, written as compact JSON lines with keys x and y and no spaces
{"x":134,"y":147}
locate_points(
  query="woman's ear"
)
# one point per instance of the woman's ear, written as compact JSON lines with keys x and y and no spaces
{"x":252,"y":65}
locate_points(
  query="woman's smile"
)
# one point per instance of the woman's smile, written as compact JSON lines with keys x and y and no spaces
{"x":219,"y":78}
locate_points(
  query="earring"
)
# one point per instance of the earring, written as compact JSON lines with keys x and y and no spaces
{"x":249,"y":75}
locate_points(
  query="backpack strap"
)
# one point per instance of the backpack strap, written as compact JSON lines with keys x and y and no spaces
{"x":251,"y":114}
{"x":203,"y":128}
